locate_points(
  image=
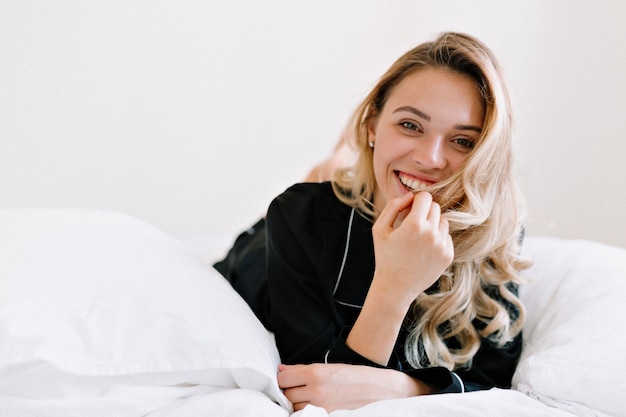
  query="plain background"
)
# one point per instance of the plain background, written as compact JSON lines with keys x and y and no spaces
{"x":192,"y":115}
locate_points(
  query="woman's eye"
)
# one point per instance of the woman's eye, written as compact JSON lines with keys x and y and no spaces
{"x":465,"y":143}
{"x":410,"y":125}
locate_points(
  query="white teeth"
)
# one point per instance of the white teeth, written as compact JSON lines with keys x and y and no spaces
{"x":413,"y":184}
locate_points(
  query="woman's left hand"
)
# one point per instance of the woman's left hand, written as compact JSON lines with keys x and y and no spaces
{"x":342,"y":386}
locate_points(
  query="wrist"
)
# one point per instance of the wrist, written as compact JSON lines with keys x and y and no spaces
{"x":376,"y":329}
{"x":406,"y":386}
{"x":415,"y":387}
{"x":390,"y":300}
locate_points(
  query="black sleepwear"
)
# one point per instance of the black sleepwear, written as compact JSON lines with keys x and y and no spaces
{"x":305,"y":272}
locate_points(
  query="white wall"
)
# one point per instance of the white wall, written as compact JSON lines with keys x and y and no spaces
{"x":193,"y":114}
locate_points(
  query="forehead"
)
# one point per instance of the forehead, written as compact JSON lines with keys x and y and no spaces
{"x":436,"y":87}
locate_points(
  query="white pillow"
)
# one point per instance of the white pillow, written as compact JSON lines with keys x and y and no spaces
{"x":93,"y":296}
{"x":575,"y":344}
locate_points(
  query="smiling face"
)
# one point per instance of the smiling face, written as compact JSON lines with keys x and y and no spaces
{"x":425,"y":131}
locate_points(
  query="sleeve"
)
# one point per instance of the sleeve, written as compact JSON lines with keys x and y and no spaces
{"x":301,"y":317}
{"x":492,"y":366}
{"x":244,"y":268}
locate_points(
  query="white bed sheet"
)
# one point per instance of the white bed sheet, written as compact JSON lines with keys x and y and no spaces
{"x":492,"y":403}
{"x":214,"y":401}
{"x":185,"y":344}
{"x":193,"y":401}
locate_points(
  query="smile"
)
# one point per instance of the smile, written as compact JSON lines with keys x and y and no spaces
{"x":411,"y":183}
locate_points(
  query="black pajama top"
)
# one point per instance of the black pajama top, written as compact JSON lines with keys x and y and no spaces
{"x":305,"y":272}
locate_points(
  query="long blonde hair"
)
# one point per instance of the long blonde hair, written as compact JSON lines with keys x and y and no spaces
{"x":481,"y":202}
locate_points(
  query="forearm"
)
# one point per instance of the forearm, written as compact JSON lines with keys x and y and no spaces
{"x":384,"y":384}
{"x":341,"y":386}
{"x":412,"y":248}
{"x":375,"y":331}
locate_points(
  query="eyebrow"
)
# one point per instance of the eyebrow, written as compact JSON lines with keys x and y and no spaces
{"x":426,"y":117}
{"x":414,"y":111}
{"x":468,"y":127}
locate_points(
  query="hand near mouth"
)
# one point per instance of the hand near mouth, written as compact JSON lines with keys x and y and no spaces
{"x":412,"y":244}
{"x":412,"y":249}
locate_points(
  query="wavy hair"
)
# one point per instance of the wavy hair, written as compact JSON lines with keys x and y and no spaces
{"x":476,"y":297}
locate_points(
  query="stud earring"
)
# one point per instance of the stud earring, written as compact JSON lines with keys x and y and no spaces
{"x":371,"y":143}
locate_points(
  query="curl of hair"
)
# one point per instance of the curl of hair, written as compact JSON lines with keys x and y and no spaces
{"x":481,"y":202}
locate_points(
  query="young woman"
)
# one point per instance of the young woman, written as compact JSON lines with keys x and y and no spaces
{"x":399,"y":277}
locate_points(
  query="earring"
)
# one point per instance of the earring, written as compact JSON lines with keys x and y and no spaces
{"x":371,"y":143}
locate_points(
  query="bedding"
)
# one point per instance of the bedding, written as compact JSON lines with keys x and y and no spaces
{"x":102,"y":314}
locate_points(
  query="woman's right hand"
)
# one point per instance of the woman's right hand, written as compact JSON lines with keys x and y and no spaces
{"x":412,"y":246}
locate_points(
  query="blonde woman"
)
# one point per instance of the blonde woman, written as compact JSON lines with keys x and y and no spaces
{"x":399,"y":276}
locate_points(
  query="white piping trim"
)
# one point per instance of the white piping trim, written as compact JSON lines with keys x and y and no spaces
{"x":460,"y":382}
{"x":348,"y":304}
{"x":345,"y":252}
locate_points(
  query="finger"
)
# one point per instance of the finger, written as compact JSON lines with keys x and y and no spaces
{"x":434,"y":214}
{"x":297,"y":395}
{"x":393,"y":209}
{"x":444,"y":229}
{"x":444,"y":226}
{"x":299,"y":406}
{"x":450,"y":247}
{"x":291,"y":376}
{"x":421,"y":206}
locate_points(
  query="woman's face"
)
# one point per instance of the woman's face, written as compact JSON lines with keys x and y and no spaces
{"x":425,"y":131}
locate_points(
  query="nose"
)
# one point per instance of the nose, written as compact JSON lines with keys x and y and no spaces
{"x":429,"y":152}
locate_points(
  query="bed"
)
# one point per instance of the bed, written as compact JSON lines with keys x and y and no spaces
{"x":102,"y":314}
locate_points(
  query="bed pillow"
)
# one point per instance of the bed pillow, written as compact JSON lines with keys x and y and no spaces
{"x":573,"y":355}
{"x":90,"y":298}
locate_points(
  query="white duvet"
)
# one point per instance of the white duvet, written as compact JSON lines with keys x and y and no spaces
{"x":104,"y":315}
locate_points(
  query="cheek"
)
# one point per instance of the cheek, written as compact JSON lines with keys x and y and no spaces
{"x":383,"y":156}
{"x":389,"y":148}
{"x":456,"y":163}
{"x":377,"y":166}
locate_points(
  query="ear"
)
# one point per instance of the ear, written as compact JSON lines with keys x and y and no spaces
{"x":372,"y":122}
